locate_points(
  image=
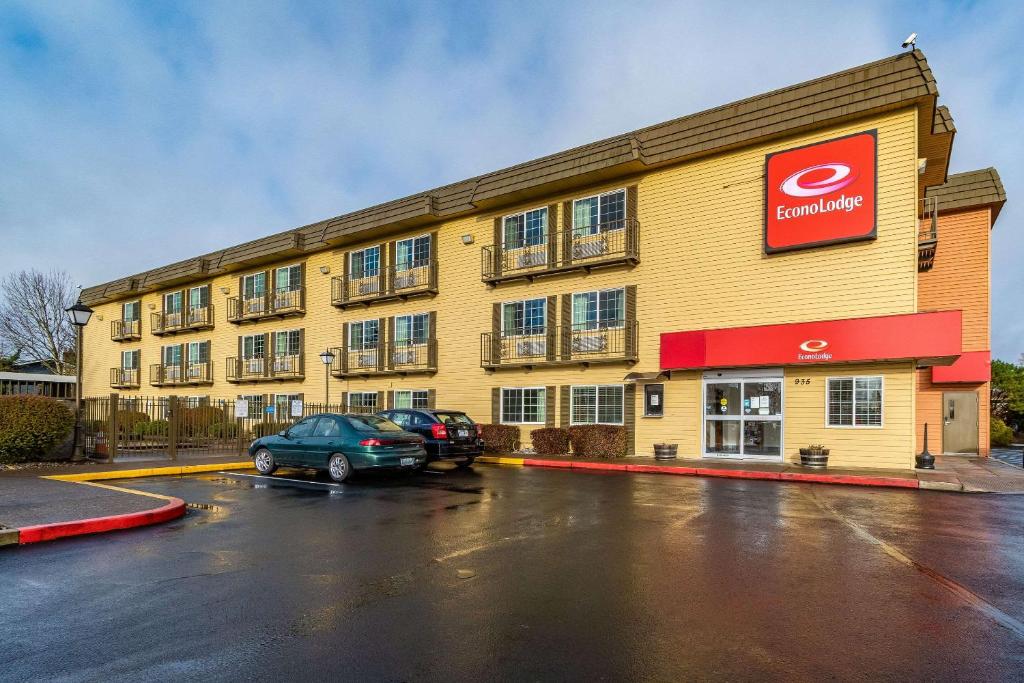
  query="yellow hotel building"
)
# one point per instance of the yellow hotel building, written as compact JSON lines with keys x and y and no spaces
{"x":647,"y":280}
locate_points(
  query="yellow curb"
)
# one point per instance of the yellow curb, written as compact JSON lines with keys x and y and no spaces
{"x":151,"y":471}
{"x":498,"y":460}
{"x":123,"y":490}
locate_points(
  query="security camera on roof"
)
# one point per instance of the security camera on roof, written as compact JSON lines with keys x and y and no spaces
{"x":911,"y":39}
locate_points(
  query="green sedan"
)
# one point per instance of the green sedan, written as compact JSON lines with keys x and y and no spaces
{"x":339,"y":444}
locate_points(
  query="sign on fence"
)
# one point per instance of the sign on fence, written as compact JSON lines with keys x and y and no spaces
{"x":242,"y":407}
{"x":296,"y":408}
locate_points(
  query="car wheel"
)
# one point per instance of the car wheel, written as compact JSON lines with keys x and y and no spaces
{"x":339,"y":468}
{"x":468,"y":462}
{"x":264,"y":461}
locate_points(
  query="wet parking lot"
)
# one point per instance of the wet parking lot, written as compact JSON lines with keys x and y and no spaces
{"x":526,"y":574}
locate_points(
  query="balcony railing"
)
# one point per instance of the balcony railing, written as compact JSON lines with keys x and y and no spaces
{"x":124,"y":378}
{"x":386,"y":359}
{"x":125,"y":330}
{"x":559,"y":344}
{"x":615,"y":242}
{"x":192,"y":318}
{"x":276,"y":304}
{"x":392,"y":282}
{"x":927,"y":234}
{"x":161,"y":375}
{"x":265,"y":369}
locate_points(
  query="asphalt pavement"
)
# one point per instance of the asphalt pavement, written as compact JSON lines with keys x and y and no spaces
{"x":527,"y":574}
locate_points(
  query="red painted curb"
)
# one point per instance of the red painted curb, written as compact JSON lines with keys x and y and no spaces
{"x":174,"y":509}
{"x":817,"y":478}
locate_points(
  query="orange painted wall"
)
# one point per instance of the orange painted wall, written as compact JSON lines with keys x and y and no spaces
{"x":958,"y":280}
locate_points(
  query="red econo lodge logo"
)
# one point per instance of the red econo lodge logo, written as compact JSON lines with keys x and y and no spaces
{"x":814,"y":349}
{"x":820,"y":194}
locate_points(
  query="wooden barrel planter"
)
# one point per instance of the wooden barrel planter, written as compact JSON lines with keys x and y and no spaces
{"x":814,"y":457}
{"x":665,"y":451}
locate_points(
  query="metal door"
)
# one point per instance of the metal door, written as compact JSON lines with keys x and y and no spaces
{"x":960,"y":422}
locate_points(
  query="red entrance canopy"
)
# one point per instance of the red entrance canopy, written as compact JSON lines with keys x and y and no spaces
{"x":973,"y":367}
{"x":929,"y":338}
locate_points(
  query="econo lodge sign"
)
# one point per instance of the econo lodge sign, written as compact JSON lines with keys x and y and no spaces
{"x":821,"y":194}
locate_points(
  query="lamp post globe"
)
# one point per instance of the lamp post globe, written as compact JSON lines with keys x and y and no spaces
{"x":79,"y":314}
{"x":327,"y":357}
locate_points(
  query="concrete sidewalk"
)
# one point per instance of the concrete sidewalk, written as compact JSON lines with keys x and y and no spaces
{"x":965,"y":474}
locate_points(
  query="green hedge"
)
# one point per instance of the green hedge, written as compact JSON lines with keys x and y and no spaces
{"x":500,"y":438}
{"x":151,"y":428}
{"x":127,"y":419}
{"x":31,"y":426}
{"x":598,"y":441}
{"x":224,"y":430}
{"x":1000,"y":433}
{"x":550,"y":441}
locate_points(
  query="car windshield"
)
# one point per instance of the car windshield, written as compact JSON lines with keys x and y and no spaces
{"x":460,"y":418}
{"x":372,"y":423}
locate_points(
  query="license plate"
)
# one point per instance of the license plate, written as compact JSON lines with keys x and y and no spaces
{"x":408,"y":461}
{"x":463,"y":433}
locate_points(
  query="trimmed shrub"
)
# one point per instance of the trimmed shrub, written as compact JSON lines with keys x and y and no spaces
{"x":151,"y":428}
{"x":1000,"y":434}
{"x":127,"y":419}
{"x":224,"y":430}
{"x":198,"y":420}
{"x":550,"y":441}
{"x":598,"y":441}
{"x":500,"y":438}
{"x":31,"y":426}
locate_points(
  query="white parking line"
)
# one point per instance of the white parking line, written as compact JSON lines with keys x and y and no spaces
{"x":272,"y":478}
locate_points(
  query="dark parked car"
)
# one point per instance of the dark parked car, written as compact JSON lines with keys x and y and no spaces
{"x":340,"y":444}
{"x":449,"y":434}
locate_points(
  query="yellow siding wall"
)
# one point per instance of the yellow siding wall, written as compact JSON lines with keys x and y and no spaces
{"x":701,"y":266}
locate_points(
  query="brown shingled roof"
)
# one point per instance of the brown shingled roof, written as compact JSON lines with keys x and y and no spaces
{"x":899,"y":81}
{"x":970,"y":190}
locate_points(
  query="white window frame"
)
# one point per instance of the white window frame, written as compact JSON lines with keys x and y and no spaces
{"x":620,"y":322}
{"x":412,"y":396}
{"x":596,"y":228}
{"x":412,"y":327}
{"x":597,"y":404}
{"x":252,"y":277}
{"x":364,"y":275}
{"x":412,"y":264}
{"x":289,"y":267}
{"x":348,"y":399}
{"x":544,"y":235}
{"x":362,"y":346}
{"x":136,"y":306}
{"x":523,"y":333}
{"x":134,"y":355}
{"x":501,"y":405}
{"x":188,"y":298}
{"x":170,"y":296}
{"x":298,"y":341}
{"x":254,"y":400}
{"x":881,"y":402}
{"x":288,"y":398}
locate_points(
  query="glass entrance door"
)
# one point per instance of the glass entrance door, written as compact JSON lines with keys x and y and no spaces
{"x":743,"y":417}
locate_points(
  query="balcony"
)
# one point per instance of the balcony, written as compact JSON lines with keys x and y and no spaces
{"x":124,"y":378}
{"x":193,"y":318}
{"x":276,"y":368}
{"x":392,"y":282}
{"x":561,"y":345}
{"x":386,"y":359}
{"x":276,"y":304}
{"x":927,"y":234}
{"x":607,"y":244}
{"x":191,"y":374}
{"x":125,"y":330}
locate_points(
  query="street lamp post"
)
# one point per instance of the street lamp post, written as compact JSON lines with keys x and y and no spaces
{"x":327,"y":357}
{"x":79,"y":314}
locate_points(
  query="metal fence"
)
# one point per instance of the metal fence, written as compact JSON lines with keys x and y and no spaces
{"x":181,"y":428}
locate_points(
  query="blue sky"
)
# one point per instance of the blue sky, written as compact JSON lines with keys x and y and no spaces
{"x":135,"y":134}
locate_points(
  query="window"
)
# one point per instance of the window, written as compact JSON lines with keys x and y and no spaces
{"x":363,"y":335}
{"x":130,"y":311}
{"x":129,"y":360}
{"x":172,"y":302}
{"x":526,"y":229}
{"x":252,"y":346}
{"x":328,"y":427}
{"x":373,"y":423}
{"x":303,"y":428}
{"x":196,"y":401}
{"x":362,"y":401}
{"x":364,"y":263}
{"x":412,"y":253}
{"x":854,"y":402}
{"x":199,"y":297}
{"x":599,"y":213}
{"x":198,"y":353}
{"x":254,"y":286}
{"x":255,"y":404}
{"x":288,"y":279}
{"x":283,"y":405}
{"x":654,"y":400}
{"x":172,"y":355}
{"x":524,"y":317}
{"x":412,"y":329}
{"x":286,"y":343}
{"x":602,"y":404}
{"x":523,"y":406}
{"x":599,"y":310}
{"x":415,"y":399}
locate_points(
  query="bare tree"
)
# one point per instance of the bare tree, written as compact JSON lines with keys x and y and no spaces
{"x":33,"y":320}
